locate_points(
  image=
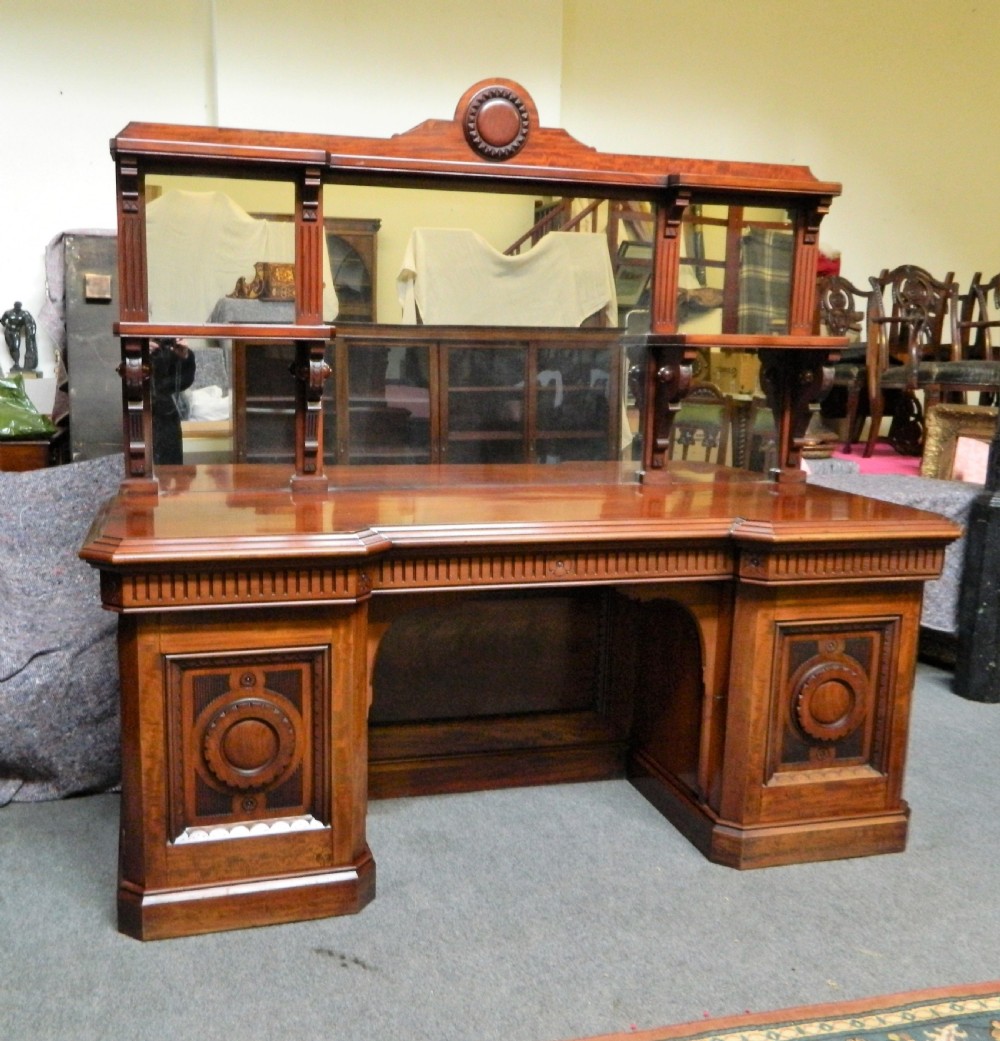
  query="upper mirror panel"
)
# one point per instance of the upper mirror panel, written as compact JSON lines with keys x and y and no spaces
{"x":222,"y":251}
{"x":496,"y":259}
{"x":735,"y":270}
{"x":212,"y":255}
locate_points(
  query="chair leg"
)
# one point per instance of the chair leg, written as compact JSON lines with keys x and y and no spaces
{"x":875,"y":415}
{"x":851,"y":421}
{"x":906,"y":431}
{"x":859,"y":421}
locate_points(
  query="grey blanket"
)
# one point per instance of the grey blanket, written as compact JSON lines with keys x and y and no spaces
{"x":58,"y":659}
{"x":951,"y":499}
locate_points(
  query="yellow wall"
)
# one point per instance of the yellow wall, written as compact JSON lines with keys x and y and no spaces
{"x":894,"y":99}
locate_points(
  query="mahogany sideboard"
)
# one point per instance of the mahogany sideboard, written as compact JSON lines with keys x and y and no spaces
{"x":759,"y":640}
{"x":740,"y":646}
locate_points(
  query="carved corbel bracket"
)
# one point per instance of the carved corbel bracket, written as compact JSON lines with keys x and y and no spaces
{"x":812,"y":219}
{"x":666,"y":381}
{"x":137,"y":427}
{"x":312,"y":187}
{"x":311,"y":371}
{"x":792,"y":380}
{"x":129,"y":185}
{"x":674,"y":214}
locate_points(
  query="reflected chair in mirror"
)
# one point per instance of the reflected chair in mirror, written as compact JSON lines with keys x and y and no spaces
{"x":755,"y":437}
{"x":842,"y":310}
{"x":906,"y":320}
{"x":701,"y":429}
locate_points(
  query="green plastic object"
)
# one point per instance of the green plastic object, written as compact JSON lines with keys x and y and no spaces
{"x":19,"y":419}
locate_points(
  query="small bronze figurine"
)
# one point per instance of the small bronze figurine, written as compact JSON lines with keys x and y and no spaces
{"x":16,"y":323}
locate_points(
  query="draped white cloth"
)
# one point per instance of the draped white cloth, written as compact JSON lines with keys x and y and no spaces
{"x":199,"y":243}
{"x":453,"y":276}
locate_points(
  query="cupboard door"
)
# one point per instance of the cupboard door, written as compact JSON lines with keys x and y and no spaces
{"x":387,"y":413}
{"x":264,"y":403}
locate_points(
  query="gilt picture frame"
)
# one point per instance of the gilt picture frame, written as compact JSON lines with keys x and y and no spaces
{"x":946,"y":426}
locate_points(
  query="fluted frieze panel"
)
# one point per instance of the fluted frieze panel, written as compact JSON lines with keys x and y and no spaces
{"x":551,"y":568}
{"x":165,"y":590}
{"x":848,"y":564}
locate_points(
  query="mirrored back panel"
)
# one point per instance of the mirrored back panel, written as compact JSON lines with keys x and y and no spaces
{"x":500,"y":268}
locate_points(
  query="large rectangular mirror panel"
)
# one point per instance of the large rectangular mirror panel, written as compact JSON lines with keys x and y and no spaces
{"x":222,"y":251}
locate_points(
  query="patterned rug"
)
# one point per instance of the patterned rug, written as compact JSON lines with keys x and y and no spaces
{"x":967,"y":1013}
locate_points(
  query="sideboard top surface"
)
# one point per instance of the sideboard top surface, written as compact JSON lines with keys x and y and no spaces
{"x":246,"y":511}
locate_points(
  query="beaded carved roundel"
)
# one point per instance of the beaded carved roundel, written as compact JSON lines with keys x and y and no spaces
{"x":248,"y":742}
{"x":496,"y":123}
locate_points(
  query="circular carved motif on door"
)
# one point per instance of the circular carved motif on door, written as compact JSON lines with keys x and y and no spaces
{"x":248,"y":743}
{"x":496,"y":122}
{"x":830,"y":699}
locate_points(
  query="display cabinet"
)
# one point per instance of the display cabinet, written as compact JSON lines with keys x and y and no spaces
{"x":446,"y":397}
{"x":351,"y":243}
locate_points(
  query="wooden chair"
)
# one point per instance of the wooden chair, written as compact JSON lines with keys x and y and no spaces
{"x":904,"y":332}
{"x":974,"y":365}
{"x":842,"y":310}
{"x":703,"y":422}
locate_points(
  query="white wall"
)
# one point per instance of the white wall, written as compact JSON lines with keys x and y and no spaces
{"x":68,"y":86}
{"x":74,"y":74}
{"x":377,"y":67}
{"x":895,"y":99}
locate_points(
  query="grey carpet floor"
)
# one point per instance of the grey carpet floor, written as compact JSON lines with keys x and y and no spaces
{"x":525,"y":915}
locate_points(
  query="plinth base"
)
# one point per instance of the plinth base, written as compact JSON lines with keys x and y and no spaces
{"x":269,"y":901}
{"x":775,"y":844}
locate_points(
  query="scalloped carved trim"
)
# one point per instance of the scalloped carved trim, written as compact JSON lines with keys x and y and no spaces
{"x":252,"y":830}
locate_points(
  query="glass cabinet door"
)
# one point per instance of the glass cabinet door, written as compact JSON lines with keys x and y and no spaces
{"x":264,"y":419}
{"x":485,"y":407}
{"x":575,"y":403}
{"x":389,"y":403}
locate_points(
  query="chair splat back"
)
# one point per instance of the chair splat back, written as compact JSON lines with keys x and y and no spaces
{"x":901,"y":336}
{"x":844,"y":310}
{"x":974,"y":320}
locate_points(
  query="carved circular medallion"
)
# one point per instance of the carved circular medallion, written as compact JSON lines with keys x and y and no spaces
{"x":830,"y":700}
{"x":248,"y":743}
{"x":496,"y":122}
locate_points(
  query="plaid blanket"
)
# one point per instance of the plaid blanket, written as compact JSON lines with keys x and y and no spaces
{"x":765,"y":281}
